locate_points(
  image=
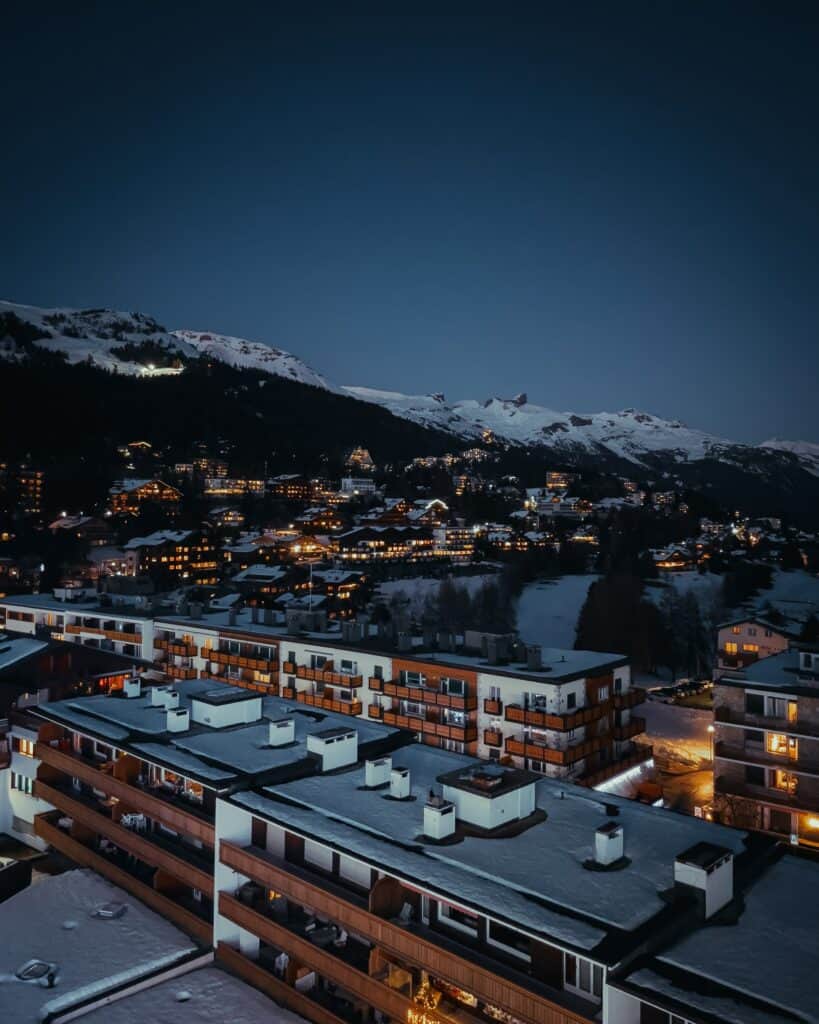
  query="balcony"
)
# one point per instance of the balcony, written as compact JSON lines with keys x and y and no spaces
{"x":521,"y":995}
{"x":426,"y":695}
{"x":793,"y":727}
{"x":285,"y":995}
{"x":240,"y":660}
{"x":179,"y":672}
{"x":341,"y":707}
{"x":522,"y":747}
{"x":759,"y":755}
{"x":562,"y":723}
{"x":639,"y":754}
{"x":493,"y":707}
{"x":739,"y":660}
{"x":174,"y":856}
{"x":174,"y":811}
{"x":493,"y":737}
{"x":460,"y":733}
{"x":631,"y":728}
{"x":375,"y":683}
{"x":347,"y":968}
{"x":630,"y":699}
{"x":182,"y":650}
{"x":766,"y":794}
{"x":375,"y":711}
{"x":119,"y":636}
{"x":117,"y":869}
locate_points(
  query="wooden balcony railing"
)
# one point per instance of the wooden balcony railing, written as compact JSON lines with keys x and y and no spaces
{"x":463,"y":734}
{"x":285,"y":995}
{"x":178,"y":672}
{"x":372,"y":992}
{"x":239,"y":660}
{"x":493,"y":737}
{"x":493,"y":707}
{"x":111,"y":634}
{"x":408,"y":945}
{"x":561,"y":723}
{"x":375,"y":683}
{"x":341,"y":707}
{"x":200,"y":929}
{"x":136,"y":798}
{"x":634,"y":727}
{"x":572,"y":754}
{"x":125,"y":838}
{"x":375,"y":711}
{"x":426,"y":695}
{"x":630,"y":699}
{"x":324,"y":675}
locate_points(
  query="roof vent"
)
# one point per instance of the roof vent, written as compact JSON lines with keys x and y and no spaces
{"x":109,"y":911}
{"x":178,"y":719}
{"x":37,"y":971}
{"x":608,"y":844}
{"x":439,"y":819}
{"x":282,"y":732}
{"x":337,"y":748}
{"x":377,"y":773}
{"x":710,"y":869}
{"x":400,"y":783}
{"x":158,"y":696}
{"x":132,"y":687}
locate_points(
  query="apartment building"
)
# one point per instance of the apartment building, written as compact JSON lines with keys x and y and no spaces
{"x":741,"y":642}
{"x":128,"y":495}
{"x":766,"y":745}
{"x":354,"y":875}
{"x":172,"y":556}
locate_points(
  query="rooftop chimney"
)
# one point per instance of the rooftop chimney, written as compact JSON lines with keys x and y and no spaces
{"x":608,"y":844}
{"x":534,"y":657}
{"x":158,"y":696}
{"x":400,"y":783}
{"x":337,"y":747}
{"x":377,"y":773}
{"x":439,"y":819}
{"x":282,"y":731}
{"x":709,"y":869}
{"x":178,"y":719}
{"x":132,"y":687}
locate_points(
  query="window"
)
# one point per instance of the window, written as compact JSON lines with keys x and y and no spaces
{"x":414,"y":709}
{"x":736,"y":630}
{"x":787,"y":782}
{"x":317,"y":660}
{"x":456,"y":687}
{"x":571,"y":701}
{"x":754,"y":775}
{"x":494,"y":693}
{"x":24,"y":746}
{"x":461,"y":920}
{"x":779,"y":743}
{"x":776,"y":707}
{"x":412,"y":678}
{"x":583,"y":976}
{"x":378,"y":672}
{"x":731,"y":647}
{"x":603,"y":693}
{"x":750,"y":648}
{"x":618,"y":685}
{"x":752,"y":631}
{"x":22,"y":783}
{"x":754,"y":704}
{"x":509,"y":939}
{"x":754,"y":736}
{"x":348,"y":667}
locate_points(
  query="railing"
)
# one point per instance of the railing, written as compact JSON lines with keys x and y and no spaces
{"x":375,"y":683}
{"x":728,"y":716}
{"x":463,"y":734}
{"x":110,"y":634}
{"x":630,"y":699}
{"x":134,"y":842}
{"x":341,"y":707}
{"x":177,"y":672}
{"x":493,"y":738}
{"x":83,"y":855}
{"x":356,"y":982}
{"x":766,"y":795}
{"x":239,"y":660}
{"x":641,"y":753}
{"x":285,"y":995}
{"x":426,"y":695}
{"x":196,"y":825}
{"x":527,"y":748}
{"x":633,"y":727}
{"x":182,"y":650}
{"x":492,"y":707}
{"x":323,"y":675}
{"x":407,"y":945}
{"x":561,"y":723}
{"x":375,"y":711}
{"x":769,"y":758}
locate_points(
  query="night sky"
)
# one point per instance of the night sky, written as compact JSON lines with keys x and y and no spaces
{"x":603,"y":206}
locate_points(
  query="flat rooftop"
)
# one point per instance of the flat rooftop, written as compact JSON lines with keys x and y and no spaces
{"x":205,"y":996}
{"x":53,"y":921}
{"x":217,"y":757}
{"x":81,"y":607}
{"x":748,"y":971}
{"x":778,"y":672}
{"x":538,"y":876}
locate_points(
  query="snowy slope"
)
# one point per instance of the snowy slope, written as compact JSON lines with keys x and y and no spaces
{"x":252,"y":355}
{"x":91,"y":334}
{"x":806,"y":452}
{"x":628,"y":434}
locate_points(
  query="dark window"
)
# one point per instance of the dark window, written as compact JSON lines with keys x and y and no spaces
{"x":754,"y":775}
{"x":508,"y":937}
{"x":651,"y":1015}
{"x":754,"y":704}
{"x":571,"y":701}
{"x":258,"y":833}
{"x":754,"y":736}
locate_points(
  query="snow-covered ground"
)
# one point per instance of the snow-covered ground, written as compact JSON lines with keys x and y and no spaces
{"x":678,"y":734}
{"x":795,"y":594}
{"x":706,"y":586}
{"x":418,"y":588}
{"x":548,"y":610}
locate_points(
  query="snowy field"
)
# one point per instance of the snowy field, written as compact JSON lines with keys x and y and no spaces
{"x":417,"y":588}
{"x":795,"y":594}
{"x":548,"y":610}
{"x":706,"y":586}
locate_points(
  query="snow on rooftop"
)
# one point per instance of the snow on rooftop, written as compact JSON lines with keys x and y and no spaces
{"x":777,"y":929}
{"x":14,"y":650}
{"x":52,"y":921}
{"x":206,"y":996}
{"x":544,"y":862}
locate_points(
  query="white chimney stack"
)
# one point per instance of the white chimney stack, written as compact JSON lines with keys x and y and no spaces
{"x":158,"y":696}
{"x":282,"y":732}
{"x":132,"y":687}
{"x":710,"y":869}
{"x":439,"y":819}
{"x":377,"y":773}
{"x":178,"y":719}
{"x":608,"y":843}
{"x":400,"y":783}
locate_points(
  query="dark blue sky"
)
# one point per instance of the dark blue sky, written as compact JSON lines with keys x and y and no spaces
{"x":603,"y":206}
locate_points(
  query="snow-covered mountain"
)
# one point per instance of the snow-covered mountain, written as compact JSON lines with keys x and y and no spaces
{"x":252,"y":355}
{"x":628,"y":434}
{"x":135,"y":344}
{"x":805,"y":452}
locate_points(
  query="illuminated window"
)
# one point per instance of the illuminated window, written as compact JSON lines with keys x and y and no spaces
{"x":785,"y":781}
{"x":731,"y":647}
{"x":736,"y":630}
{"x":751,"y":648}
{"x":27,"y":747}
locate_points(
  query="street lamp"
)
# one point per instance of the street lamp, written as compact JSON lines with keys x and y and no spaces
{"x":711,"y":741}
